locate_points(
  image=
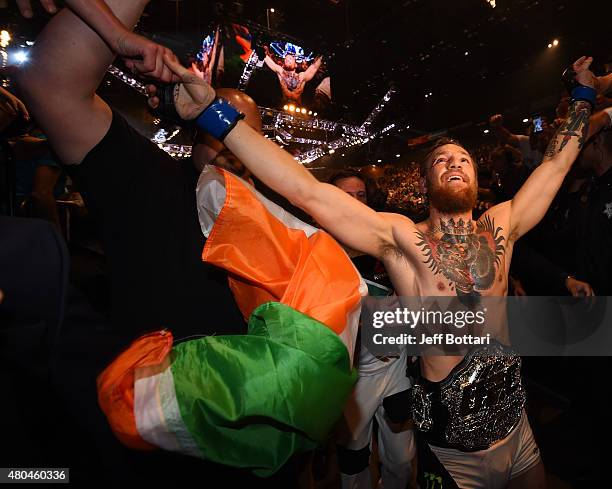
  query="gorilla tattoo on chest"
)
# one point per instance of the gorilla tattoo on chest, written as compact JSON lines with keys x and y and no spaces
{"x":468,"y":257}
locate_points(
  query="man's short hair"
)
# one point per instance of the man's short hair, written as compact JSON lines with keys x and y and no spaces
{"x":426,"y":162}
{"x":375,"y":196}
{"x":342,"y":174}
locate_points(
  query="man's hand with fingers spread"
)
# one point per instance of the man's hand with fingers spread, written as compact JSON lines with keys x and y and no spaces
{"x":193,"y":94}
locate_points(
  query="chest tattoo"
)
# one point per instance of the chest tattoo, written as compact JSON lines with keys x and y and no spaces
{"x":467,"y":256}
{"x":292,"y":80}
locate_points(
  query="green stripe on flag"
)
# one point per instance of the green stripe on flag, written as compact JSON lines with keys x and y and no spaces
{"x":253,"y":401}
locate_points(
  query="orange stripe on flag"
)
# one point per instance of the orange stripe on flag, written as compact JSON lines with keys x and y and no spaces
{"x":116,"y":385}
{"x":268,"y":261}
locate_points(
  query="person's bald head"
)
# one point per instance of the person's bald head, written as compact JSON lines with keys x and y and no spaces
{"x":208,"y":150}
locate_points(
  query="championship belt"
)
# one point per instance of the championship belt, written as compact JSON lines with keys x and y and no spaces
{"x":479,"y":403}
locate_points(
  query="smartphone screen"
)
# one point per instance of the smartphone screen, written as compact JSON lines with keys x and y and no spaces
{"x":537,"y":124}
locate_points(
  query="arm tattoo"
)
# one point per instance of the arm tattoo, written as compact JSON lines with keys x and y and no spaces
{"x":576,"y":125}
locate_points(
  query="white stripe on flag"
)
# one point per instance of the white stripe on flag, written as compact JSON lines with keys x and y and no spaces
{"x":211,"y":193}
{"x":158,"y":418}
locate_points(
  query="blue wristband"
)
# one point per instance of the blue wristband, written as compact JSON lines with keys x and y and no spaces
{"x":587,"y":94}
{"x":219,"y":118}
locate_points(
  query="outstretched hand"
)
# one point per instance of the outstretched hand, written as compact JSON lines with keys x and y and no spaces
{"x":193,"y":94}
{"x":584,"y":75}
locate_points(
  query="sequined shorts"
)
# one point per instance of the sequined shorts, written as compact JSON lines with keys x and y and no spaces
{"x":494,"y":467}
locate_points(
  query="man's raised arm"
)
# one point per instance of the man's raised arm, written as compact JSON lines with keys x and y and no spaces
{"x":535,"y":196}
{"x":353,"y":223}
{"x":68,"y":62}
{"x":311,"y":71}
{"x":270,"y":62}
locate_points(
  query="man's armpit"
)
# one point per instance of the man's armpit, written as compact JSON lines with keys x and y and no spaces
{"x":388,"y":250}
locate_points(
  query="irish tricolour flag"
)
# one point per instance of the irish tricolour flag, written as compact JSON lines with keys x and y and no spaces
{"x":251,"y":400}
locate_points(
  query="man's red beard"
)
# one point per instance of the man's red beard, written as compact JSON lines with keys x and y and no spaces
{"x":451,"y":200}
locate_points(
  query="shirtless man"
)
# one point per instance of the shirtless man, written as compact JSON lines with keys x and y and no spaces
{"x":405,"y":247}
{"x":508,"y":452}
{"x":292,"y":83}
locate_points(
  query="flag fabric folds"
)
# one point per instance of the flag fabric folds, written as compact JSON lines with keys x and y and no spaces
{"x":253,"y":400}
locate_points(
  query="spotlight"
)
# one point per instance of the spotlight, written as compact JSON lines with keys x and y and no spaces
{"x":315,"y":114}
{"x":310,"y":112}
{"x":285,"y":107}
{"x":549,"y":45}
{"x":525,"y":120}
{"x":332,"y":151}
{"x":466,"y":53}
{"x":20,"y":56}
{"x":486,"y":131}
{"x":556,"y":42}
{"x":379,"y":161}
{"x":397,"y":155}
{"x":303,"y":111}
{"x":272,"y":10}
{"x":5,"y":38}
{"x":292,"y":108}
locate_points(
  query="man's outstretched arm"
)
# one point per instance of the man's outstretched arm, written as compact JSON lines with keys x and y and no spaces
{"x":68,"y":63}
{"x":535,"y":196}
{"x":272,"y":65}
{"x":351,"y":222}
{"x":311,"y":71}
{"x":348,"y":220}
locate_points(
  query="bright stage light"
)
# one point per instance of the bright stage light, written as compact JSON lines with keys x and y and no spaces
{"x":20,"y":56}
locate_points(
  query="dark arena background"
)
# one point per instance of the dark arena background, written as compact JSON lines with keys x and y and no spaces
{"x":363,"y":88}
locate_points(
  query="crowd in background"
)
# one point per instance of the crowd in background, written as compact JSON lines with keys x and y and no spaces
{"x":35,"y":185}
{"x":570,"y":252}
